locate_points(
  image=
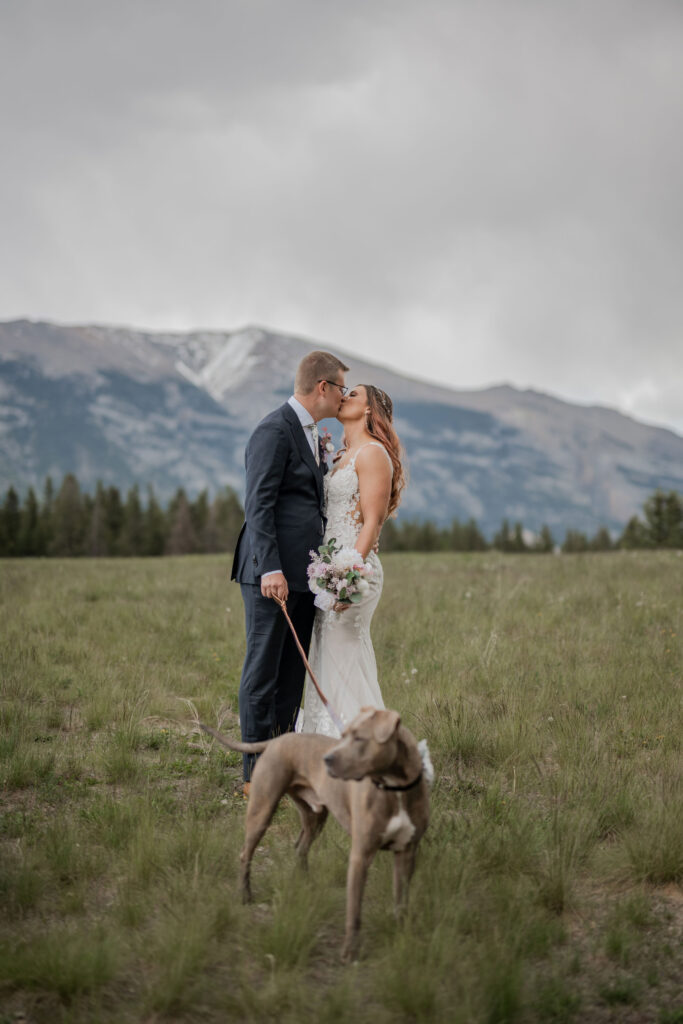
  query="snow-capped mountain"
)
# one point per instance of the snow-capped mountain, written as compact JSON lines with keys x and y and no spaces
{"x":176,"y":409}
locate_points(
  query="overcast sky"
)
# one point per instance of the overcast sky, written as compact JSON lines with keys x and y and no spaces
{"x":474,"y":191}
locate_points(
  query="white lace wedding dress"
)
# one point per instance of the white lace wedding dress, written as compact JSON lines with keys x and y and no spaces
{"x":341,"y":654}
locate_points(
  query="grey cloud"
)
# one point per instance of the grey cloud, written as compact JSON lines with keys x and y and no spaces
{"x":472,"y":192}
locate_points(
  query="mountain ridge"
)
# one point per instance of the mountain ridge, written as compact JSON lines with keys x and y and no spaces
{"x":462,"y":394}
{"x":176,"y":408}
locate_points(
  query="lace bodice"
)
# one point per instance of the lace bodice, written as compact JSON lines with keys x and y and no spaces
{"x":342,"y":500}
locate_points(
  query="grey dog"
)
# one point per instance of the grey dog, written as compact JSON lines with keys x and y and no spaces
{"x":371,"y":780}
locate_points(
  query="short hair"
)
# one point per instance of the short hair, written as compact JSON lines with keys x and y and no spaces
{"x":314,"y":367}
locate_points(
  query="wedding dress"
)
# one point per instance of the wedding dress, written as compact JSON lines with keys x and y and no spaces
{"x":341,"y":655}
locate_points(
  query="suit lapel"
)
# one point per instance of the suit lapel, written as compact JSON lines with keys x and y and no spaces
{"x":304,"y":448}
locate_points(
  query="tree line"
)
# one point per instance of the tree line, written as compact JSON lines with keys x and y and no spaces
{"x":70,"y":522}
{"x":662,"y":527}
{"x":67,"y":522}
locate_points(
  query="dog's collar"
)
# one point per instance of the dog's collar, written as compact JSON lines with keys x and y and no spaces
{"x":397,"y":789}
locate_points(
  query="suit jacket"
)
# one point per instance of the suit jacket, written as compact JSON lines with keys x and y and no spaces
{"x":283,"y":505}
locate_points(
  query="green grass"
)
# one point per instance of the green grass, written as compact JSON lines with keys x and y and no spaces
{"x":548,"y":885}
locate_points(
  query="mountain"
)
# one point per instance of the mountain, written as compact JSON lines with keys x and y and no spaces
{"x":175,"y":410}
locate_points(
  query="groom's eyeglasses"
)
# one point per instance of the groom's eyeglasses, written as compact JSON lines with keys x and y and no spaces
{"x":333,"y":384}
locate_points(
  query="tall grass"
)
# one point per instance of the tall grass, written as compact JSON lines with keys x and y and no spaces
{"x":548,"y":885}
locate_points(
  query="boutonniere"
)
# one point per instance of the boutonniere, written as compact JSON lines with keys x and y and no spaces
{"x":326,"y":443}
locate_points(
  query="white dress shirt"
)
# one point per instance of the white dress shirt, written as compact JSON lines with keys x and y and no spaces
{"x":306,"y":421}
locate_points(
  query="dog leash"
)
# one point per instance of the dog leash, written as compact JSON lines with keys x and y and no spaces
{"x":427,"y":769}
{"x":328,"y":707}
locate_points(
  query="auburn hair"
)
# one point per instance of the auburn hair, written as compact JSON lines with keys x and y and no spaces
{"x":379,"y":424}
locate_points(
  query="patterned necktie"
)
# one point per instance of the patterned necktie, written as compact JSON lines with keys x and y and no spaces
{"x":316,"y":446}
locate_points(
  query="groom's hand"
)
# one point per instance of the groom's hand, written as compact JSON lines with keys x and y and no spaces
{"x":275,"y":585}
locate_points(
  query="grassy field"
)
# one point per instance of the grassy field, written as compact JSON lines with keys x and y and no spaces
{"x":547,"y":886}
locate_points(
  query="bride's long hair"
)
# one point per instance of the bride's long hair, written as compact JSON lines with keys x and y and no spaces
{"x":379,"y":424}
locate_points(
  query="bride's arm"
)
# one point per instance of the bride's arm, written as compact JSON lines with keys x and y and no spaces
{"x":374,"y":486}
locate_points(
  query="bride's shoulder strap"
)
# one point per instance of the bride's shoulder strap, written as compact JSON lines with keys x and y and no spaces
{"x":377,"y":444}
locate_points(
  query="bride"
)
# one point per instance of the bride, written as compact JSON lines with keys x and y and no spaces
{"x":362,"y":490}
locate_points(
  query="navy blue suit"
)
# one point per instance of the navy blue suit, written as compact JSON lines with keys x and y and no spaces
{"x":284,"y":521}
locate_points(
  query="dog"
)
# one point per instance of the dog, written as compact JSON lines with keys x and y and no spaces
{"x":372,"y":781}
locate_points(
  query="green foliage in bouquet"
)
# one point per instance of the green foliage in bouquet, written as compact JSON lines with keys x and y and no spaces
{"x":348,"y":594}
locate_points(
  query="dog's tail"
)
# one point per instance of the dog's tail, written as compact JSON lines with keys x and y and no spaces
{"x":242,"y":748}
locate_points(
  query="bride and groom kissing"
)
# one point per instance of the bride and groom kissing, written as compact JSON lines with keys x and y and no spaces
{"x":293,"y":505}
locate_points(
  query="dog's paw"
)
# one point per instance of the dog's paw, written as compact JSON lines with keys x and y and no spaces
{"x":349,"y":953}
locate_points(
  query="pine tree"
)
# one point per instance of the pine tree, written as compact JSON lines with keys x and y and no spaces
{"x":655,"y":509}
{"x":474,"y":539}
{"x":574,"y":542}
{"x":635,"y":535}
{"x":30,"y":534}
{"x":389,"y":535}
{"x":502,"y":540}
{"x":182,"y":539}
{"x":209,"y":541}
{"x":410,"y":539}
{"x":545,"y":543}
{"x":228,"y":516}
{"x":97,"y":540}
{"x":429,"y":537}
{"x":457,"y":540}
{"x":131,"y":541}
{"x":153,"y":527}
{"x":602,"y":540}
{"x":46,"y":517}
{"x":664,"y":519}
{"x":674,"y":520}
{"x":518,"y":543}
{"x":10,"y":524}
{"x":663,"y":526}
{"x":199,"y":513}
{"x":68,"y":519}
{"x":114,"y":517}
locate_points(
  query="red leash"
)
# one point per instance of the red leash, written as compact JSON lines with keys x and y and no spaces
{"x":328,"y":707}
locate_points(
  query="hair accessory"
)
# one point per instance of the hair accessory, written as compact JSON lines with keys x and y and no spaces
{"x":384,"y":401}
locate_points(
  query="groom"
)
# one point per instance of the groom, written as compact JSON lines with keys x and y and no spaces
{"x":284,"y":521}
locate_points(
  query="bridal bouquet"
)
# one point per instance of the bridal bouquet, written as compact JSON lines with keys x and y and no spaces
{"x":337,"y":574}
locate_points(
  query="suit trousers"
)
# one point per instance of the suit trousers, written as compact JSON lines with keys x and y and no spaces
{"x":273,"y":675}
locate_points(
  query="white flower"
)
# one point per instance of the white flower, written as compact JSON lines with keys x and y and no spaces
{"x":329,"y":447}
{"x":325,"y":600}
{"x":363,"y":586}
{"x":347,"y":558}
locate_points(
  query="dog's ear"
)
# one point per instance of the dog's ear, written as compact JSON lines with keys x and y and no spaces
{"x":385,"y":724}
